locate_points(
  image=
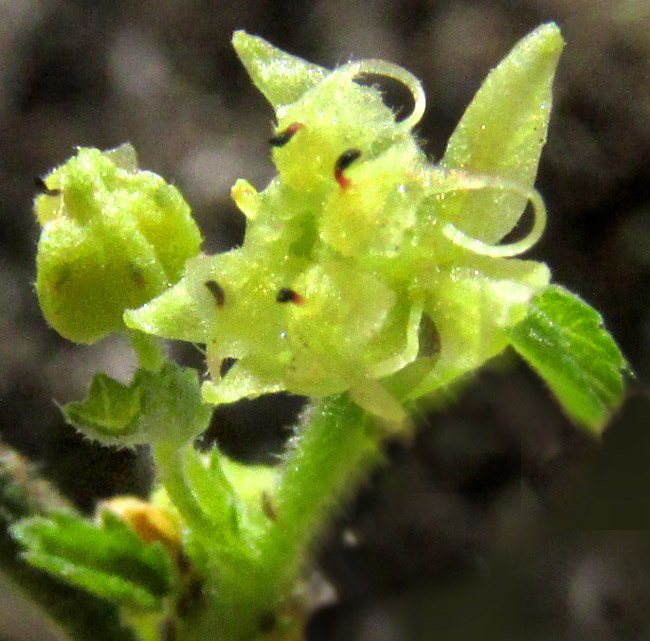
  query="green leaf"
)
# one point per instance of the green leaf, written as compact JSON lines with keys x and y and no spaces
{"x":564,"y":340}
{"x":157,"y":405}
{"x":107,"y":559}
{"x":502,"y":133}
{"x":23,"y":493}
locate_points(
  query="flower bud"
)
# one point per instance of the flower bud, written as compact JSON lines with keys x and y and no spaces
{"x":113,"y":237}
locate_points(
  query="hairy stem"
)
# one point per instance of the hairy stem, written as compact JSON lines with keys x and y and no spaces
{"x":330,"y":455}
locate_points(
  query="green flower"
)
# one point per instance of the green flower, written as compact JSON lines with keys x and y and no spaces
{"x":365,"y":265}
{"x":113,"y":237}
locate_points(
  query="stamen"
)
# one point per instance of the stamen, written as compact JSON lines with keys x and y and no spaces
{"x":217,"y":292}
{"x":286,"y":295}
{"x":283,"y":137}
{"x":342,"y":163}
{"x":43,"y":188}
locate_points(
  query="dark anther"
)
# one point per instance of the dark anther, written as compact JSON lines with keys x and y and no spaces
{"x":283,"y":137}
{"x":286,"y":295}
{"x":217,"y":292}
{"x":43,"y":188}
{"x":342,"y":163}
{"x":225,"y":366}
{"x":346,"y":159}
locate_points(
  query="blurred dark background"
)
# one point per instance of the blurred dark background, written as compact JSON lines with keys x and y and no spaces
{"x":500,"y":516}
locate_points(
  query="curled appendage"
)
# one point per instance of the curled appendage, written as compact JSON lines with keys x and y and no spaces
{"x":411,"y":345}
{"x":382,"y":68}
{"x":453,"y":181}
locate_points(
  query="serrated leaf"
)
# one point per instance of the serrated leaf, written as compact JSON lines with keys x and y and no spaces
{"x":107,"y":559}
{"x":157,"y":405}
{"x":564,"y":340}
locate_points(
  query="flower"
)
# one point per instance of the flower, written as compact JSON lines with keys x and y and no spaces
{"x":365,"y":267}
